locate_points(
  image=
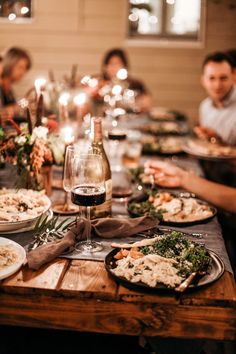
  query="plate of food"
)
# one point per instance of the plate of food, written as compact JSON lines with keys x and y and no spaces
{"x":180,"y":209}
{"x":20,"y":209}
{"x":138,"y":176}
{"x":165,"y":128}
{"x":12,"y":256}
{"x":165,"y":114}
{"x":210,"y":151}
{"x":170,"y":145}
{"x":170,"y":262}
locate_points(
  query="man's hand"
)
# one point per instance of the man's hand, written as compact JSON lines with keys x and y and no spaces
{"x":206,"y":133}
{"x":165,"y":174}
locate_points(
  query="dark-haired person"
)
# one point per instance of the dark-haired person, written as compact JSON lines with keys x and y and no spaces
{"x":1,"y":59}
{"x":232,"y":54}
{"x":217,"y":112}
{"x":116,"y":59}
{"x":16,"y":62}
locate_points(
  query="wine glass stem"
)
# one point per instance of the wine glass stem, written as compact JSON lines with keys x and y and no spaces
{"x":67,"y":200}
{"x":88,"y":218}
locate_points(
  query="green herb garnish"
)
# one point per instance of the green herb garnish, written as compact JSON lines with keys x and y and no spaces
{"x":23,"y":206}
{"x":190,"y":256}
{"x":145,"y":208}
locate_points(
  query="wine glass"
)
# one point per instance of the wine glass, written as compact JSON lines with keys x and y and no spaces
{"x":67,"y":176}
{"x":88,"y":189}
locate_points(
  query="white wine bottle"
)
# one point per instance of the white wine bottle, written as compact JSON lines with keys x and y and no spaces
{"x":102,"y":210}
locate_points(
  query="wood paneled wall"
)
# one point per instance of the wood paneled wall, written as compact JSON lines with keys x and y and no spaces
{"x":80,"y":31}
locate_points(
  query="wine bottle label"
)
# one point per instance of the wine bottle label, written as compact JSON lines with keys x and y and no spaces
{"x":104,"y":210}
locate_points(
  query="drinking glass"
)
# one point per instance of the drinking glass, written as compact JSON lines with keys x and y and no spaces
{"x":88,"y":189}
{"x":67,"y":176}
{"x":131,"y":157}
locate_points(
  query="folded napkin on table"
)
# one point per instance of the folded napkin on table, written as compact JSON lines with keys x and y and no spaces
{"x":105,"y":228}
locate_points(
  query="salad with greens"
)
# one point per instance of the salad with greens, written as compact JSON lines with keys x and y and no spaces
{"x":189,"y":256}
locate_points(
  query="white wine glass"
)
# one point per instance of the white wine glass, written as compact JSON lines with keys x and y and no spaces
{"x":88,"y":189}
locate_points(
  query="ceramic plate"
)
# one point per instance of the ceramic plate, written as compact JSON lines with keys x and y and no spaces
{"x":21,"y":255}
{"x":144,"y":197}
{"x":214,"y":273}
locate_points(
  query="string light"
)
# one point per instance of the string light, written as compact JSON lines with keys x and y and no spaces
{"x":11,"y":17}
{"x":24,"y":10}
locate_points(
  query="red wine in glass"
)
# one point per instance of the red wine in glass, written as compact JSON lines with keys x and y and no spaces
{"x":88,"y":195}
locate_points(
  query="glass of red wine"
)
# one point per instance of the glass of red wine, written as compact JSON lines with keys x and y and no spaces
{"x":88,"y":190}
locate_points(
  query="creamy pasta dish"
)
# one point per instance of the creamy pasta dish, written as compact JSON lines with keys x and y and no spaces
{"x":22,"y":204}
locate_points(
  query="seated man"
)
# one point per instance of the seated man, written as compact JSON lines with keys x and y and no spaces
{"x":232,"y":54}
{"x":218,"y":111}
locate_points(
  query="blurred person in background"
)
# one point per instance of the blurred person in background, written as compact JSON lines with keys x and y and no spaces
{"x":232,"y":54}
{"x":116,"y":59}
{"x":15,"y":64}
{"x":0,"y":81}
{"x":217,"y":112}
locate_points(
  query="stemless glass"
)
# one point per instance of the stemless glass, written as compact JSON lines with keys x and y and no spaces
{"x":88,"y":189}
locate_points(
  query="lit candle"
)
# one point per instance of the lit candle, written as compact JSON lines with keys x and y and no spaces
{"x":93,"y":83}
{"x":39,"y":84}
{"x":67,"y":135}
{"x":63,"y":106}
{"x":79,"y":100}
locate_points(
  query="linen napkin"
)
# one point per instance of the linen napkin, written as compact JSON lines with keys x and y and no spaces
{"x":105,"y":228}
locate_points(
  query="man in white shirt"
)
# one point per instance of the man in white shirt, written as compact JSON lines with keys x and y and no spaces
{"x":218,"y":111}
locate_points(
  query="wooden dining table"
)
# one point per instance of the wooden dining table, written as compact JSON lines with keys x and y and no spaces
{"x":79,"y":295}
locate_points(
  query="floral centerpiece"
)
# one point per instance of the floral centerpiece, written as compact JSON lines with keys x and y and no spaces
{"x":30,"y":153}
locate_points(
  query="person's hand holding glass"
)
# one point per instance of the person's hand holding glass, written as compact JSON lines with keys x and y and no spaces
{"x":88,"y":189}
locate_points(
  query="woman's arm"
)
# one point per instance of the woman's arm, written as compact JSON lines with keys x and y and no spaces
{"x":167,"y":175}
{"x":218,"y":194}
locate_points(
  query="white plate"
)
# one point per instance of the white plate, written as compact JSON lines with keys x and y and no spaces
{"x":28,"y":227}
{"x":7,"y":271}
{"x":24,"y":225}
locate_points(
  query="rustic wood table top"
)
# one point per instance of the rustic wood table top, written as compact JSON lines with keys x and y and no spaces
{"x":79,"y":295}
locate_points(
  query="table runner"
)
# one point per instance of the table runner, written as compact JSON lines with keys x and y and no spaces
{"x":211,"y":236}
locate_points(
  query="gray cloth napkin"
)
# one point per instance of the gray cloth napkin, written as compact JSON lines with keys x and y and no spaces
{"x":105,"y":228}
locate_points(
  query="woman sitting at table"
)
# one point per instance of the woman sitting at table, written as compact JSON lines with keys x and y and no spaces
{"x":113,"y":61}
{"x":16,"y":62}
